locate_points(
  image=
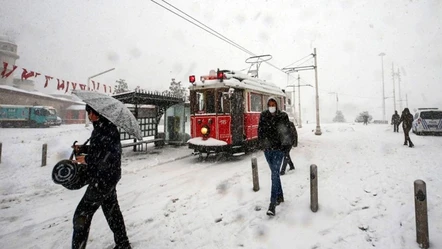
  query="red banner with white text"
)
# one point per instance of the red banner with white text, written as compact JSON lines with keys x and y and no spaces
{"x":51,"y":82}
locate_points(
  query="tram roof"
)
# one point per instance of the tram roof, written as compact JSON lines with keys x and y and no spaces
{"x":240,"y":80}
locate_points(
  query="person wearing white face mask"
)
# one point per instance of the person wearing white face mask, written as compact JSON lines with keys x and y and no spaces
{"x":274,"y":138}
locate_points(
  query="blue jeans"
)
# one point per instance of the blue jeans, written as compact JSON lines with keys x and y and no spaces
{"x":274,"y":159}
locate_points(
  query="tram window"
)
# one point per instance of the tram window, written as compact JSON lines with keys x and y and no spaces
{"x":210,"y":102}
{"x":256,"y":102}
{"x":206,"y":101}
{"x":223,"y":101}
{"x":220,"y":101}
{"x":200,"y":100}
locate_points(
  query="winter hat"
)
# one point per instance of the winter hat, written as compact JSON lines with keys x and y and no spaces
{"x":274,"y":99}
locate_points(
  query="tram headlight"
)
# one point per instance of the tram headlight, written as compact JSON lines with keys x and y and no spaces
{"x":205,"y":130}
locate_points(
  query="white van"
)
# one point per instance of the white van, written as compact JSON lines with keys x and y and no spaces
{"x":427,"y":120}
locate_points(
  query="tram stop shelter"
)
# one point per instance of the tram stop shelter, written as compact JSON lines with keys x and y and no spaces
{"x":148,"y":108}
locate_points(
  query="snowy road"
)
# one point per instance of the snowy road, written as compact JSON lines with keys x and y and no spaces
{"x":365,"y":194}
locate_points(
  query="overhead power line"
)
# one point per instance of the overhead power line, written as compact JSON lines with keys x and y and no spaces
{"x":210,"y":30}
{"x":299,"y":60}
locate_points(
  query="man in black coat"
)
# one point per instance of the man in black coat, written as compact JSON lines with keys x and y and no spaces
{"x":103,"y":162}
{"x":407,"y":121}
{"x":395,"y":121}
{"x":274,"y":138}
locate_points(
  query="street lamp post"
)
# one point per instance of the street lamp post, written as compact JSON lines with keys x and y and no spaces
{"x":337,"y":101}
{"x":98,"y":74}
{"x":383,"y":86}
{"x":394,"y":86}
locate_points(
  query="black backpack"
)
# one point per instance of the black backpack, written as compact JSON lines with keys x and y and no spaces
{"x":294,"y":134}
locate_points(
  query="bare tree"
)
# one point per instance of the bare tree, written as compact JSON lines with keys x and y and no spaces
{"x":121,"y":86}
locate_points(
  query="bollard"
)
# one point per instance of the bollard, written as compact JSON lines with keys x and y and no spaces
{"x":255,"y":174}
{"x":44,"y":154}
{"x":0,"y":152}
{"x":420,"y":204}
{"x":313,"y":187}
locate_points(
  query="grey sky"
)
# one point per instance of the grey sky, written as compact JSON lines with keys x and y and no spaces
{"x":148,"y":45}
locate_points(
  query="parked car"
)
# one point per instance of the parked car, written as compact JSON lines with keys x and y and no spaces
{"x":59,"y":121}
{"x":427,"y":121}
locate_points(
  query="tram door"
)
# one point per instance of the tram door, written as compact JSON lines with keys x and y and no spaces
{"x":237,"y":114}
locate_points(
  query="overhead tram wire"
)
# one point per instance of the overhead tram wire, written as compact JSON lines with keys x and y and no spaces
{"x":208,"y":31}
{"x":298,"y":61}
{"x":214,"y":31}
{"x":340,"y":93}
{"x":211,"y":31}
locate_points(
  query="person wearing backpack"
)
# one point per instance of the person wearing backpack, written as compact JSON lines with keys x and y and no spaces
{"x":287,"y":159}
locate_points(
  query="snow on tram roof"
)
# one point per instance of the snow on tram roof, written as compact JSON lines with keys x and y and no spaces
{"x":237,"y":79}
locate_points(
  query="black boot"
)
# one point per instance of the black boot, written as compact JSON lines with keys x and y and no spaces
{"x":411,"y":145}
{"x":271,"y":211}
{"x":405,"y":143}
{"x":282,"y":172}
{"x":125,"y":246}
{"x":279,"y":199}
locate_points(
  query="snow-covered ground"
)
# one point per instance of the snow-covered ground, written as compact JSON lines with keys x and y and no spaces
{"x":170,"y":199}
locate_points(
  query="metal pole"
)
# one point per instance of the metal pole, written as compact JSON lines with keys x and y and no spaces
{"x":98,"y":74}
{"x":399,"y":85}
{"x":293,"y":99}
{"x":337,"y":103}
{"x":420,"y":204}
{"x":0,"y":152}
{"x":313,"y":187}
{"x":318,"y":126}
{"x":394,"y":88}
{"x":44,"y":154}
{"x":255,"y":174}
{"x":383,"y":86}
{"x":86,"y":119}
{"x":299,"y":102}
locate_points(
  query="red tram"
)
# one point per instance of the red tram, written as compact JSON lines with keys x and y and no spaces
{"x":224,"y":111}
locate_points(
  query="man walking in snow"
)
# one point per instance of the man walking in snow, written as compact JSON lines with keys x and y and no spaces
{"x":365,"y":117}
{"x":395,"y":121}
{"x":275,"y":139}
{"x":103,"y":162}
{"x":407,"y":121}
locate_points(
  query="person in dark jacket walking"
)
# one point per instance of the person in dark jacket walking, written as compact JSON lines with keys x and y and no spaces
{"x":103,"y":162}
{"x":274,"y":138}
{"x":287,"y":158}
{"x":395,"y":121}
{"x":365,"y":118}
{"x":407,"y":121}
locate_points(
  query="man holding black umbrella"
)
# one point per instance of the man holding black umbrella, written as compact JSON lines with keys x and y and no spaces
{"x":103,"y":160}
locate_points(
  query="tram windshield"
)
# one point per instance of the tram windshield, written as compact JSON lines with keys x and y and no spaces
{"x":210,"y":101}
